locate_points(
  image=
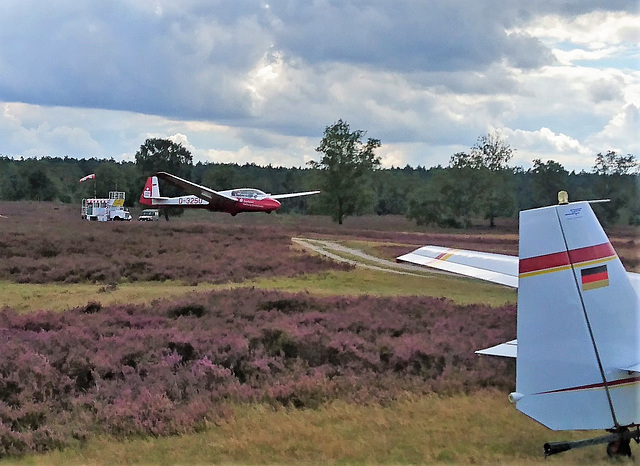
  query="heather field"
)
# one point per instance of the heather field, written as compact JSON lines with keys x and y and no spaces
{"x":172,"y":367}
{"x":42,"y":245}
{"x":215,"y":339}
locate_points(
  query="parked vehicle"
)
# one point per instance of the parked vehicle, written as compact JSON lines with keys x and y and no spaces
{"x":104,"y":210}
{"x":149,"y":215}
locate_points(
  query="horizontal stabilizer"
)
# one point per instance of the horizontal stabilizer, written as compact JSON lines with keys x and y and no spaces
{"x":635,"y":368}
{"x":496,"y":268}
{"x":508,"y":349}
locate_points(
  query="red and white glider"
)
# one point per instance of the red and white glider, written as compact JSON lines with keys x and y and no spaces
{"x":232,"y":201}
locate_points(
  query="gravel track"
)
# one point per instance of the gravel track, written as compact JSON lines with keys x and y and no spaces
{"x":333,"y":250}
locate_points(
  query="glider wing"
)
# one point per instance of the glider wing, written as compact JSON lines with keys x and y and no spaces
{"x":285,"y":196}
{"x":215,"y":199}
{"x":496,"y":268}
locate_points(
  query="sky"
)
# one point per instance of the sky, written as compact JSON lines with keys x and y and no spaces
{"x":247,"y":81}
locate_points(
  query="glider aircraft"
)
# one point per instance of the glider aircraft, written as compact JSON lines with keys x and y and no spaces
{"x":578,"y":323}
{"x":232,"y":201}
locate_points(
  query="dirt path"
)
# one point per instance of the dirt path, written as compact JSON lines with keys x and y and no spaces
{"x":359,"y":258}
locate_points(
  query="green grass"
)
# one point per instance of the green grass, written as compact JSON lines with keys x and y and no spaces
{"x":481,"y":428}
{"x":28,"y":297}
{"x":364,"y":281}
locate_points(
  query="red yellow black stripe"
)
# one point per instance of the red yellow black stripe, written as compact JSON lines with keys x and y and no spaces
{"x":555,"y":262}
{"x":446,"y":255}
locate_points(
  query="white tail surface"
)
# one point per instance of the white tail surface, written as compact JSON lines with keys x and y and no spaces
{"x":578,"y":324}
{"x":155,"y":188}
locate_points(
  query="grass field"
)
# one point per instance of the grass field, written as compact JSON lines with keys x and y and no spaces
{"x":477,"y":427}
{"x":363,"y":281}
{"x":467,"y":429}
{"x":27,"y":297}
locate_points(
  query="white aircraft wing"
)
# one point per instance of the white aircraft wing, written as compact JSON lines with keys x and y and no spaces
{"x":508,"y":349}
{"x":214,"y":198}
{"x":496,"y":268}
{"x":284,"y":196}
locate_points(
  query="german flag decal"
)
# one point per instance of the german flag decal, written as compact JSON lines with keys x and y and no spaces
{"x":594,"y":277}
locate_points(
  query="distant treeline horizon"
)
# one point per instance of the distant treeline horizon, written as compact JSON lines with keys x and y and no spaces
{"x":397,"y":191}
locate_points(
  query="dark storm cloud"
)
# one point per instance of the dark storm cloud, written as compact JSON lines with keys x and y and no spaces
{"x":405,"y":36}
{"x":114,"y":55}
{"x":190,"y":59}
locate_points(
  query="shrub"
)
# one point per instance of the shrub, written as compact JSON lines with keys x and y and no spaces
{"x":92,"y":307}
{"x":170,"y":367}
{"x":74,"y":251}
{"x":196,"y":310}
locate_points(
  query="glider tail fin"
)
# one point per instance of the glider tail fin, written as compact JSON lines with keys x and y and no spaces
{"x":151,"y":191}
{"x":578,"y":323}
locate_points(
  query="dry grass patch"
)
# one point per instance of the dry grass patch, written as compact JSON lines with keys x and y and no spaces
{"x":464,"y":429}
{"x":29,"y":297}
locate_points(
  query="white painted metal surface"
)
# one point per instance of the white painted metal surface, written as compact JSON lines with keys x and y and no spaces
{"x":508,"y":349}
{"x":496,"y":268}
{"x":578,"y":327}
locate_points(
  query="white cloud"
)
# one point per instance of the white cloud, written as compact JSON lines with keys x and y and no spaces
{"x":621,"y":132}
{"x":594,"y":30}
{"x":392,"y":157}
{"x":180,"y":138}
{"x":246,"y":81}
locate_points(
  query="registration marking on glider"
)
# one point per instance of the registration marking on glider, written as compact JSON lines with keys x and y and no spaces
{"x":556,"y":262}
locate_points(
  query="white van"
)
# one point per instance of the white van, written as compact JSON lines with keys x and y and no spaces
{"x":149,"y":215}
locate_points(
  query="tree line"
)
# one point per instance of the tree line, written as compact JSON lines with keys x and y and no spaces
{"x":476,"y":186}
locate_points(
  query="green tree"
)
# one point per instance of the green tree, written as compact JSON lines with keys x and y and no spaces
{"x":157,"y":155}
{"x":38,"y":184}
{"x":164,"y":155}
{"x":220,"y":177}
{"x":617,"y":181}
{"x":107,"y":178}
{"x":292,"y":181}
{"x":612,"y":163}
{"x":345,"y":169}
{"x":491,"y":192}
{"x":546,"y":180}
{"x":446,"y":199}
{"x":12,"y":183}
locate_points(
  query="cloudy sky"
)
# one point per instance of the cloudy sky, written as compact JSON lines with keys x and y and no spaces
{"x":254,"y":81}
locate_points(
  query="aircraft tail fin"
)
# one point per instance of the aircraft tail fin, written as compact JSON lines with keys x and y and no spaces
{"x":578,"y":323}
{"x":151,"y":191}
